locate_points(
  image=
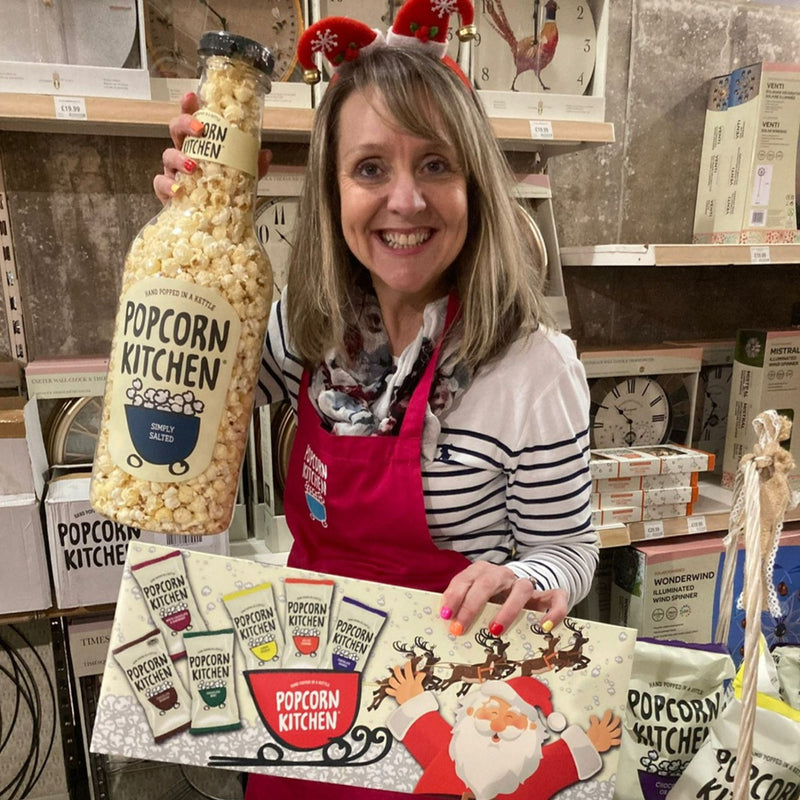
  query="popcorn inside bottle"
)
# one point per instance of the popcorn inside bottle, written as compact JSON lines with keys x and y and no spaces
{"x":175,"y":368}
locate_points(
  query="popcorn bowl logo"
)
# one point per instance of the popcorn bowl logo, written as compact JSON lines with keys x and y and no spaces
{"x":164,"y":428}
{"x":164,"y":698}
{"x":305,"y":709}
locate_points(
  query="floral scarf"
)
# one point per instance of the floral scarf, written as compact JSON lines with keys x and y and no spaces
{"x":367,"y":395}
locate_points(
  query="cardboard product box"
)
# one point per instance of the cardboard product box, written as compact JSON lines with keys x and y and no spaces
{"x":638,"y":483}
{"x":753,"y":137}
{"x":59,"y":378}
{"x":770,"y":197}
{"x":24,"y":575}
{"x":713,"y":395}
{"x":766,"y":375}
{"x":710,"y":175}
{"x":282,"y":670}
{"x":87,"y":550}
{"x":624,"y":462}
{"x":74,"y":49}
{"x":622,"y":514}
{"x":646,"y":498}
{"x":23,"y":568}
{"x":670,"y":590}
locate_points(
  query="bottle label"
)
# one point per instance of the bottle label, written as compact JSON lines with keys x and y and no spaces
{"x":175,"y":350}
{"x":223,"y":144}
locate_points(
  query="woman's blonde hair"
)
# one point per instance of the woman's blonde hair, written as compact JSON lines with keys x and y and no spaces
{"x":498,"y":274}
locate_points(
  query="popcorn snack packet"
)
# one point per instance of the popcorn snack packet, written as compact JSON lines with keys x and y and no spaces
{"x":354,"y":632}
{"x":196,"y":291}
{"x":168,"y":594}
{"x":774,"y":757}
{"x":255,"y":620}
{"x":212,"y":681}
{"x":308,"y":621}
{"x":787,"y":668}
{"x":675,"y":692}
{"x":156,"y":684}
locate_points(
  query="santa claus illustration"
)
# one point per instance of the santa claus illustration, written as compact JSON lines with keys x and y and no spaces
{"x":496,"y":747}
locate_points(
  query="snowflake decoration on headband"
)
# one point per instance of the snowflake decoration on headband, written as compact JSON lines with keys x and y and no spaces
{"x":324,"y":41}
{"x":443,"y":7}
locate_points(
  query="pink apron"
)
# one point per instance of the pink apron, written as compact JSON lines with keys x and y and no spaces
{"x":383,"y":536}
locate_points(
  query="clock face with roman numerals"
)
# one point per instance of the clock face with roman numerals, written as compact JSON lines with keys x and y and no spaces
{"x":636,"y":411}
{"x":275,"y":221}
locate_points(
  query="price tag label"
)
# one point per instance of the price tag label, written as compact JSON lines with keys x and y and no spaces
{"x":696,"y":524}
{"x":70,"y":107}
{"x":654,"y":529}
{"x":760,"y":255}
{"x":541,"y":129}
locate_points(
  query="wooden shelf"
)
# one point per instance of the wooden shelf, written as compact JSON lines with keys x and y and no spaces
{"x":679,"y":255}
{"x":147,"y":118}
{"x":711,"y":514}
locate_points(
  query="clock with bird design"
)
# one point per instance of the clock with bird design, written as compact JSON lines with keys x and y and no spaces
{"x":534,"y":46}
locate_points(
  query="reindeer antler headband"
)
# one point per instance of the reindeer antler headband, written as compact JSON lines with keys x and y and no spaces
{"x":419,"y":23}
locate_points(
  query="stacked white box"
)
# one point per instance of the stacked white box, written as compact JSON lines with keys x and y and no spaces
{"x":24,"y":574}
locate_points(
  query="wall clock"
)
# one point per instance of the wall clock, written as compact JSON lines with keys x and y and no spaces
{"x":534,"y":46}
{"x":711,"y":418}
{"x":71,"y":430}
{"x":275,"y":220}
{"x":173,"y":29}
{"x":640,"y":410}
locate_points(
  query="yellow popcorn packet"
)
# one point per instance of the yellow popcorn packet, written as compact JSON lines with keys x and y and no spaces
{"x":196,"y":291}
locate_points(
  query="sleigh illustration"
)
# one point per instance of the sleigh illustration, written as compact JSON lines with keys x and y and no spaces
{"x":305,"y":709}
{"x":161,"y":437}
{"x":310,"y":710}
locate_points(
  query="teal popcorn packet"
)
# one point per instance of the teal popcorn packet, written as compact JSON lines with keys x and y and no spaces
{"x":212,"y":682}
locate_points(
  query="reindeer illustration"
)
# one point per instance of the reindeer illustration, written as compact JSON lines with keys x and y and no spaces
{"x":573,"y":657}
{"x":543,"y":662}
{"x":430,"y":681}
{"x":494,"y":667}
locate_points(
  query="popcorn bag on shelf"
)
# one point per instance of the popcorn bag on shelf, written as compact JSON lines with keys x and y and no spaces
{"x":196,"y":290}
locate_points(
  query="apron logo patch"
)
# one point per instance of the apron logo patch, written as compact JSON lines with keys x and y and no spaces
{"x":315,"y":483}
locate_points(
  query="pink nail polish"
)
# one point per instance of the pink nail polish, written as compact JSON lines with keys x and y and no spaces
{"x":445,"y":612}
{"x":496,"y":629}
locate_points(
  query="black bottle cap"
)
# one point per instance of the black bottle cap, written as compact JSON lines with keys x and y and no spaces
{"x":223,"y":43}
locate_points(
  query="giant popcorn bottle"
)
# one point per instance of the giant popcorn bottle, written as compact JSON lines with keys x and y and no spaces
{"x":190,"y":327}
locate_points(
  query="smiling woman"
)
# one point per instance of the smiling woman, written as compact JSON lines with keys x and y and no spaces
{"x":442,"y":422}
